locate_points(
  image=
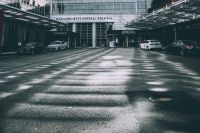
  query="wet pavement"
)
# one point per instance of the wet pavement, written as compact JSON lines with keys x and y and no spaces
{"x":122,"y":90}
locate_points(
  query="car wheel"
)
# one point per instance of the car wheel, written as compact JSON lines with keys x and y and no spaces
{"x":32,"y":52}
{"x":166,"y":51}
{"x":182,"y":52}
{"x":148,"y":48}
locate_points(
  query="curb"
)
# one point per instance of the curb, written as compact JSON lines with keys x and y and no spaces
{"x":8,"y":53}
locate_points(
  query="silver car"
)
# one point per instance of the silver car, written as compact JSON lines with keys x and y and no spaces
{"x":151,"y":44}
{"x":57,"y":45}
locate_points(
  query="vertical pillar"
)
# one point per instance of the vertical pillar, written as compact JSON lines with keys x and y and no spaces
{"x":127,"y":43}
{"x":68,"y":42}
{"x":94,"y":35}
{"x":24,"y":38}
{"x":1,"y":28}
{"x":136,"y":6}
{"x":51,"y":8}
{"x":175,"y":33}
{"x":74,"y":29}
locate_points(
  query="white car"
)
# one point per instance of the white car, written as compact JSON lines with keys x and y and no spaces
{"x":151,"y":44}
{"x":57,"y":45}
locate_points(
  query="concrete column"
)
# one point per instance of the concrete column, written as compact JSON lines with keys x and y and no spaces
{"x":136,"y":6}
{"x":94,"y":41}
{"x":68,"y":41}
{"x":127,"y":43}
{"x":175,"y":34}
{"x":74,"y":29}
{"x":51,"y":8}
{"x":1,"y":28}
{"x":2,"y":37}
{"x":24,"y":37}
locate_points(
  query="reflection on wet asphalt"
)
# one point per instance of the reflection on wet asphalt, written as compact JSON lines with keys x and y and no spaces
{"x":99,"y":90}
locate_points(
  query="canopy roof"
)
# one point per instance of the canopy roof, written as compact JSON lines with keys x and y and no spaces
{"x":178,"y":12}
{"x":24,"y":16}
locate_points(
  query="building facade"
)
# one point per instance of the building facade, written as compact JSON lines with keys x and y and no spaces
{"x":92,"y":19}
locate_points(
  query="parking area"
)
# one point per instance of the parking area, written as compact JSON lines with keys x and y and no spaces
{"x":104,"y":90}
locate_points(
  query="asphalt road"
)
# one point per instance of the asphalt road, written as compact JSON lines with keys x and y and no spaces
{"x":121,"y":90}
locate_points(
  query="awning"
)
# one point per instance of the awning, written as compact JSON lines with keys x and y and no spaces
{"x":28,"y":17}
{"x":178,"y":12}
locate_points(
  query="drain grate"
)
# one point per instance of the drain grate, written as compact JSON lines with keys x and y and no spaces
{"x":162,"y":99}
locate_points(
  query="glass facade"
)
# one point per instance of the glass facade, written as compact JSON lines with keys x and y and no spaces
{"x":98,"y":6}
{"x":101,"y":34}
{"x":84,"y":13}
{"x":84,"y":34}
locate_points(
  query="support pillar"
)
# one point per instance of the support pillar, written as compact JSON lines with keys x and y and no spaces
{"x":1,"y":28}
{"x":127,"y":43}
{"x":68,"y":42}
{"x":94,"y":35}
{"x":74,"y":29}
{"x":25,"y":36}
{"x":51,"y":8}
{"x":175,"y":33}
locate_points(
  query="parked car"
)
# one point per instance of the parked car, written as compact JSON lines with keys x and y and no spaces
{"x":151,"y":44}
{"x":57,"y":45}
{"x":182,"y":47}
{"x":198,"y":49}
{"x":19,"y":50}
{"x":31,"y":48}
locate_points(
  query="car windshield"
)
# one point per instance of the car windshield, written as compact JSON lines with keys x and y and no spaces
{"x":191,"y":43}
{"x":153,"y":41}
{"x":56,"y":42}
{"x":30,"y":44}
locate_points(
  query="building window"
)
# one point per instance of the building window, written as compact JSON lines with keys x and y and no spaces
{"x":98,"y":7}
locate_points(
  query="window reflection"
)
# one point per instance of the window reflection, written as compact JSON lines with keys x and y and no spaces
{"x":98,"y":7}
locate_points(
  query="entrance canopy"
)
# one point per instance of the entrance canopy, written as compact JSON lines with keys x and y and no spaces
{"x":17,"y":14}
{"x":178,"y":12}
